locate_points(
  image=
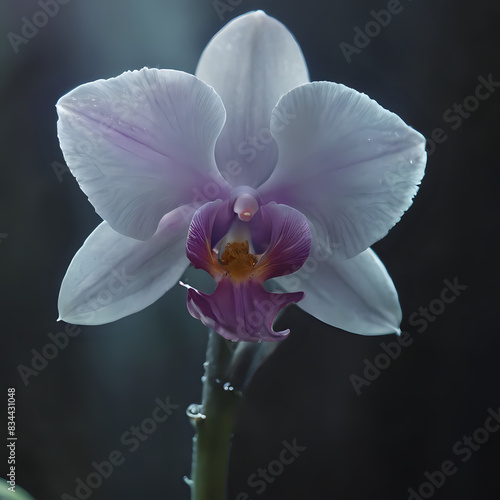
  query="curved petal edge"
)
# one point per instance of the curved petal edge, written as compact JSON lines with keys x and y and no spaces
{"x":113,"y":276}
{"x":356,"y":295}
{"x":244,"y":311}
{"x":142,"y":144}
{"x":251,"y":62}
{"x":348,"y":164}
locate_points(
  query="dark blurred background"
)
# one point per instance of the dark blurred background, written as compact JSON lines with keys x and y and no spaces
{"x":376,"y":444}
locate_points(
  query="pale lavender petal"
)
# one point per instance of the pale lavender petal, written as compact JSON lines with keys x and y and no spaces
{"x":251,"y":63}
{"x":348,"y":164}
{"x":142,"y":144}
{"x":113,"y":275}
{"x":244,"y":311}
{"x":356,"y":295}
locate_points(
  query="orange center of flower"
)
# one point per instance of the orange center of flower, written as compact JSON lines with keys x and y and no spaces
{"x":237,"y":260}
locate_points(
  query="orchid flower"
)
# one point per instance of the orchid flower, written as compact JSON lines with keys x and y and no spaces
{"x":246,"y":170}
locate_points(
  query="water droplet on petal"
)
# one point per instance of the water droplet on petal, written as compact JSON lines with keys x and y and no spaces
{"x":136,"y":129}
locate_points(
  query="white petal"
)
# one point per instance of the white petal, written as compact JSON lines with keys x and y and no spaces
{"x":356,"y":295}
{"x":348,"y":164}
{"x":140,"y":144}
{"x":113,"y":276}
{"x":251,"y":63}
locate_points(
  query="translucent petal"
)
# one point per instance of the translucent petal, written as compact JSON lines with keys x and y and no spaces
{"x":113,"y":276}
{"x":251,"y":63}
{"x":142,"y":144}
{"x":356,"y":295}
{"x":345,"y":162}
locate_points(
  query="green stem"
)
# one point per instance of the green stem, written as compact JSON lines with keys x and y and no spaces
{"x":213,"y":421}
